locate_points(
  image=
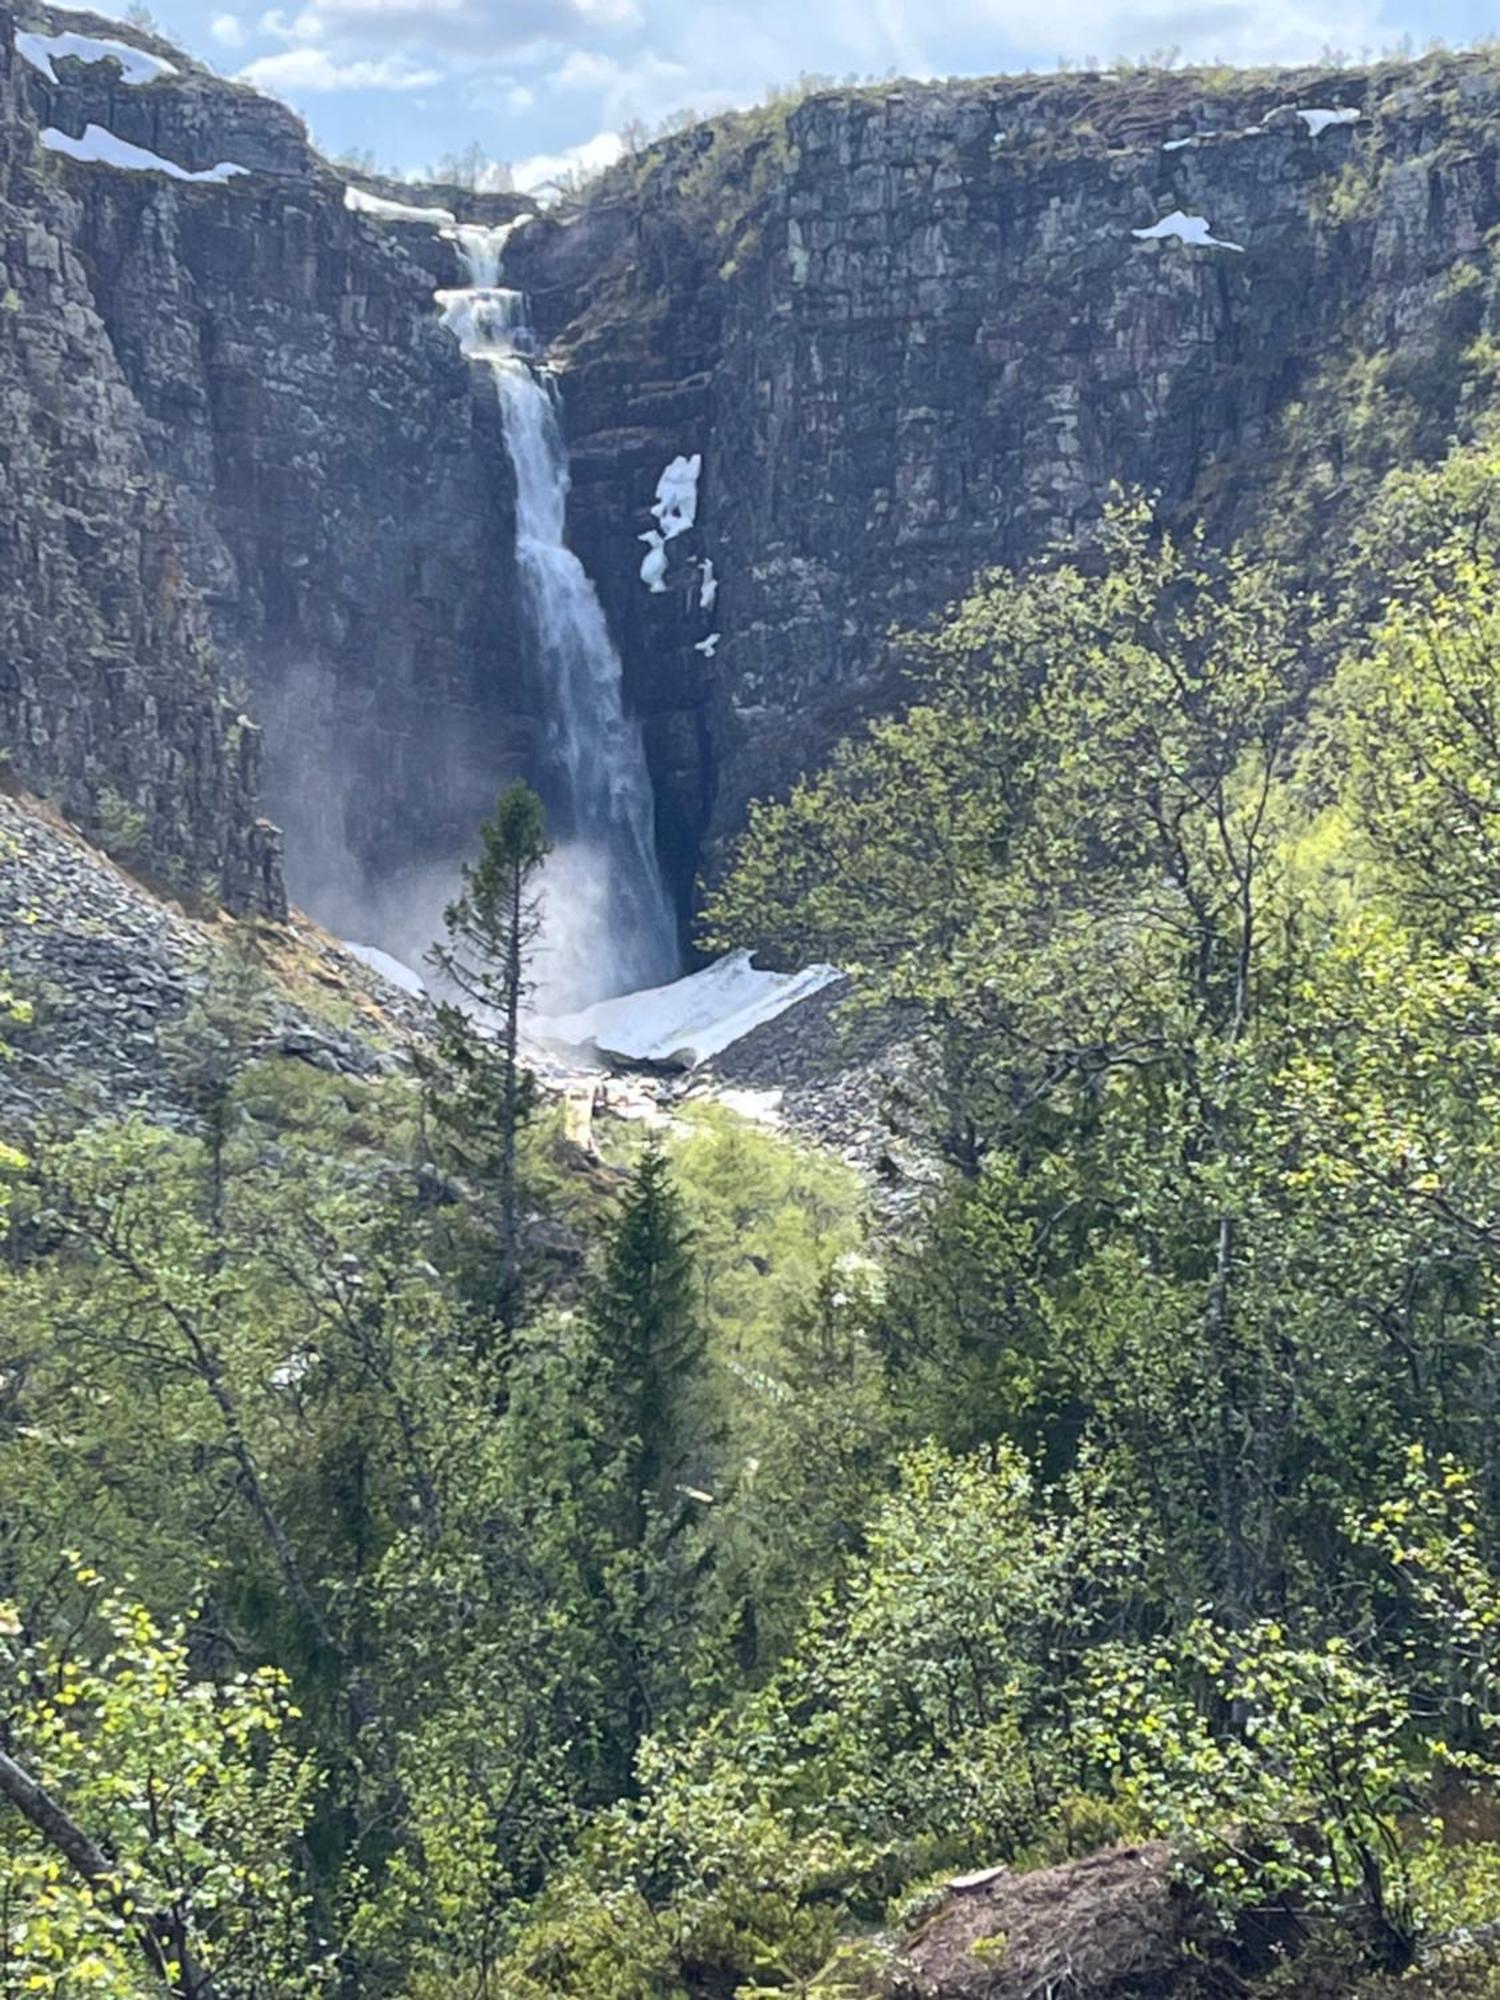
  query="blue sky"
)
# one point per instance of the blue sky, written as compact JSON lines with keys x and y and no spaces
{"x":539,"y":81}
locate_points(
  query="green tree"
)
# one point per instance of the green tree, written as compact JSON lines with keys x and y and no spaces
{"x":480,"y":1091}
{"x":149,"y":1819}
{"x":1077,"y":835}
{"x":644,"y":1344}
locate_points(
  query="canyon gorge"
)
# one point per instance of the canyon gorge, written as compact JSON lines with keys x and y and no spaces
{"x":893,"y":336}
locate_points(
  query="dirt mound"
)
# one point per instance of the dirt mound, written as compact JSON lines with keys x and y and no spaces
{"x":1114,"y":1926}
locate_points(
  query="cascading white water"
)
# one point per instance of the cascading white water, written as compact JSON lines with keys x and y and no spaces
{"x":607,"y":920}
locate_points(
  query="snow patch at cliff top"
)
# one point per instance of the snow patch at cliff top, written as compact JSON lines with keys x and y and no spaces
{"x":1319,"y":120}
{"x":396,"y":211}
{"x":136,"y":65}
{"x":100,"y":148}
{"x":692,"y":1019}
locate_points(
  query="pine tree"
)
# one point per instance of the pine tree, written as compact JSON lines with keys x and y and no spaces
{"x":648,"y":1336}
{"x":648,"y":1346}
{"x":480,"y":1092}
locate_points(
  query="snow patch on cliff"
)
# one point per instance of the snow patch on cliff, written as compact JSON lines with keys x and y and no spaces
{"x":396,"y":211}
{"x":136,"y":65}
{"x":676,"y":506}
{"x":1319,"y":120}
{"x":654,"y":562}
{"x":100,"y":148}
{"x":1186,"y":229}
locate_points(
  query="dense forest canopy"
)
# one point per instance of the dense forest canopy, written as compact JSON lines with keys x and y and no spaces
{"x":489,"y":1573}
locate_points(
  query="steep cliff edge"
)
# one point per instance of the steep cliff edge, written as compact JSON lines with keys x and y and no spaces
{"x":108,"y":692}
{"x":907,"y":332}
{"x":916,"y":331}
{"x":340,"y":516}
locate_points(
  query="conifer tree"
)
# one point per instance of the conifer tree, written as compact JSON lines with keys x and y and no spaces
{"x":480,"y":1091}
{"x":648,"y":1336}
{"x":648,"y":1345}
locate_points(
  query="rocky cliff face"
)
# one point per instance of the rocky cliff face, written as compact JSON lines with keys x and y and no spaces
{"x":931,"y":337}
{"x":108,"y":692}
{"x":913,"y":332}
{"x":341,"y":518}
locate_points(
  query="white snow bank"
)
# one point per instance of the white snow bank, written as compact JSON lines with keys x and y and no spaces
{"x":136,"y":65}
{"x":395,"y":211}
{"x":100,"y":148}
{"x":676,"y":506}
{"x":709,"y":646}
{"x":389,"y":968}
{"x":1187,"y":229}
{"x":654,"y":561}
{"x":1319,"y":120}
{"x":693,"y":1018}
{"x":710,"y":586}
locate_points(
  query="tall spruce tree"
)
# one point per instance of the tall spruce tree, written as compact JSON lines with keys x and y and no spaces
{"x":479,"y":1090}
{"x":647,"y":1349}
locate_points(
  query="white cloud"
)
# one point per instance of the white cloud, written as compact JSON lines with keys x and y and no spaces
{"x":646,"y":88}
{"x":227,"y":31}
{"x":316,"y":70}
{"x":586,"y":70}
{"x":544,"y":168}
{"x":519,"y":97}
{"x":610,"y":13}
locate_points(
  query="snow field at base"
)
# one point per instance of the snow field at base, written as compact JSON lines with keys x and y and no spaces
{"x":100,"y":148}
{"x":691,"y":1019}
{"x":389,"y":968}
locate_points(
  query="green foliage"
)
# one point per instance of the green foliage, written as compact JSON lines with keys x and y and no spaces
{"x":666,"y":1626}
{"x":123,"y":827}
{"x":186,"y":1785}
{"x":768,"y":1219}
{"x":480,"y":1093}
{"x":1279,"y":1771}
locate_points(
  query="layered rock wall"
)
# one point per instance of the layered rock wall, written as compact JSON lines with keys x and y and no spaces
{"x":913,"y":332}
{"x":338,"y":492}
{"x":108,"y":690}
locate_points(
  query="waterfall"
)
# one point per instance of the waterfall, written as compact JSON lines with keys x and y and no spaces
{"x":608,"y":925}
